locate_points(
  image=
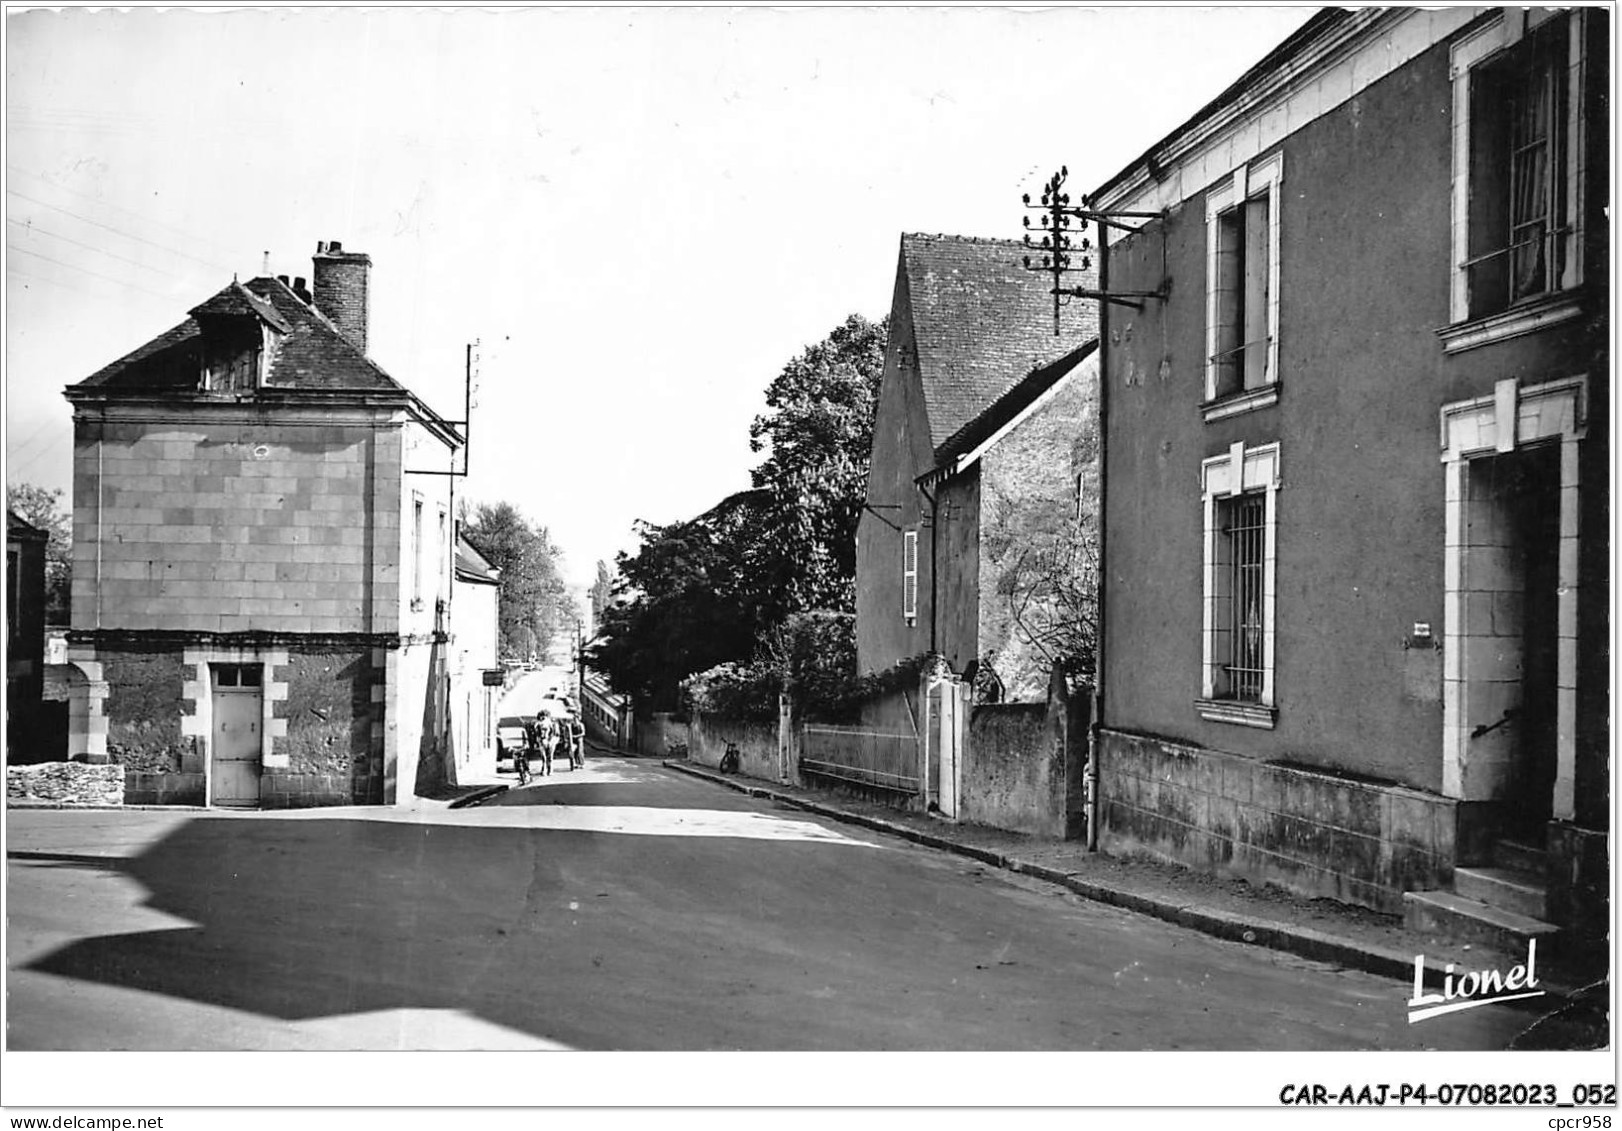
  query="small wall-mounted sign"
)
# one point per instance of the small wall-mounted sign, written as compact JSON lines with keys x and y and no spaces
{"x":1422,"y":637}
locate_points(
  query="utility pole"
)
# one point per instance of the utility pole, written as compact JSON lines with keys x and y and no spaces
{"x":1057,"y":247}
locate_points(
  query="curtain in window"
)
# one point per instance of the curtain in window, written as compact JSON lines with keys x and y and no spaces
{"x":1531,"y":122}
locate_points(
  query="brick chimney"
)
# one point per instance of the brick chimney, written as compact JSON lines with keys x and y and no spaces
{"x":341,"y":281}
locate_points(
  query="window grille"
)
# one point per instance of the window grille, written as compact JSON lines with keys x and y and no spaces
{"x":1245,"y":532}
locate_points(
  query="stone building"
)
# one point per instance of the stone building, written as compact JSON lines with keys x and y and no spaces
{"x":1357,"y":513}
{"x":477,"y":678}
{"x":981,"y":439}
{"x":974,"y":536}
{"x":259,"y":576}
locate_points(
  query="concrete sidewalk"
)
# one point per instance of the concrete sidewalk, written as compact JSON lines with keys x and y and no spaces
{"x":1228,"y":908}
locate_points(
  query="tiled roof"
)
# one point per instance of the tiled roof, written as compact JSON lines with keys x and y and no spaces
{"x":19,"y":527}
{"x":170,"y":360}
{"x":315,"y":354}
{"x":471,"y":564}
{"x":310,"y":352}
{"x":237,"y":300}
{"x":982,"y":323}
{"x":1015,"y":401}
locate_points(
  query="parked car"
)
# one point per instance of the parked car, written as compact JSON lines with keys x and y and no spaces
{"x":556,"y":706}
{"x":510,"y":736}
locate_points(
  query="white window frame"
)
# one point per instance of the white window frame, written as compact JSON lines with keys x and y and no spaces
{"x":1513,"y":416}
{"x":1259,"y":178}
{"x":909,"y":575}
{"x":417,"y":507}
{"x":1502,"y":31}
{"x":1239,"y":471}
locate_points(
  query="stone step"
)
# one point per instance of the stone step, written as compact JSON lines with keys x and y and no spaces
{"x":1504,"y":888}
{"x":1450,"y":915}
{"x":1519,"y":857}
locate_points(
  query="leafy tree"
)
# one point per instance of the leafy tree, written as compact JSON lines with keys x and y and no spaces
{"x":534,"y":604}
{"x":817,"y":433}
{"x":707,"y":592}
{"x":43,"y":509}
{"x":601,"y":592}
{"x":680,"y":605}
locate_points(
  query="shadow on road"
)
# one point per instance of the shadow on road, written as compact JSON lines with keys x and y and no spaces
{"x":552,"y":932}
{"x":709,"y":928}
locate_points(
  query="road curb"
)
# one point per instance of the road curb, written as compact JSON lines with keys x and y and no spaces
{"x":484,"y":793}
{"x":101,"y":807}
{"x":1271,"y":934}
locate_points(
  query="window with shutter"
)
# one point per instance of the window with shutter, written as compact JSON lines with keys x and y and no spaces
{"x":909,"y":575}
{"x":1518,"y":160}
{"x":1241,"y":275}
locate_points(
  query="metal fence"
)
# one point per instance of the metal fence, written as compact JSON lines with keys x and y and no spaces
{"x":868,"y":757}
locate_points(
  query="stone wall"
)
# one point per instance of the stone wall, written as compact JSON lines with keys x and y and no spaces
{"x":1030,"y":533}
{"x":656,"y":733}
{"x":329,"y":713}
{"x":212,"y":526}
{"x":144,"y":705}
{"x":305,"y":791}
{"x":1579,"y":879}
{"x":66,"y":783}
{"x":1311,"y":832}
{"x":147,"y":788}
{"x":707,"y":739}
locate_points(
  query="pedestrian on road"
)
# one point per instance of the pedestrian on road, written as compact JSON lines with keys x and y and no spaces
{"x":577,"y":743}
{"x":560,"y":739}
{"x":545,"y":739}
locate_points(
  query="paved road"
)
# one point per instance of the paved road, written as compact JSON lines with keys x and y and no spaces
{"x":525,"y":695}
{"x":621,"y":906}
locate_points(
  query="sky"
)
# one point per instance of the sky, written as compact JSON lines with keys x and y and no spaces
{"x":640,"y":215}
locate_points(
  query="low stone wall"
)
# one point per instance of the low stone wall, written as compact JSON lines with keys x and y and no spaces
{"x":756,"y":741}
{"x":656,"y":733}
{"x":1307,"y":831}
{"x":66,"y":783}
{"x":1014,"y":770}
{"x":314,"y":791}
{"x":1023,"y":764}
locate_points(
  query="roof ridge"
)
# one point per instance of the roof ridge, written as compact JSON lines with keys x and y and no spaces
{"x":997,"y":241}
